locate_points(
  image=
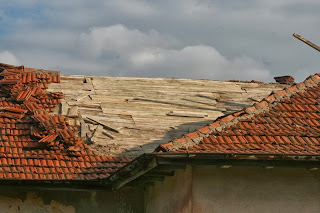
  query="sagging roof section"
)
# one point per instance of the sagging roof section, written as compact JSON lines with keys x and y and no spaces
{"x":286,"y":122}
{"x":37,"y":144}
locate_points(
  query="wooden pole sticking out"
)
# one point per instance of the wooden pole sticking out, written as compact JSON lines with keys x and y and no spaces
{"x":306,"y":41}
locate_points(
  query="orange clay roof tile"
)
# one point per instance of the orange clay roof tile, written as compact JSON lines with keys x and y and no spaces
{"x":38,"y":145}
{"x":286,"y":122}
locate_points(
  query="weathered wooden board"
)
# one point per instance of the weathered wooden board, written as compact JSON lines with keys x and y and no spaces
{"x":138,"y":108}
{"x":73,"y":111}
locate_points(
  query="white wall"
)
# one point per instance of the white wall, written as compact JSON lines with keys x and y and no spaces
{"x":255,"y":189}
{"x":173,"y":195}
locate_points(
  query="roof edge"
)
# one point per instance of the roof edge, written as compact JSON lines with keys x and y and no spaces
{"x":149,"y":162}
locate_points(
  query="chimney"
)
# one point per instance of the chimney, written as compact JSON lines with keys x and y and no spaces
{"x":285,"y":79}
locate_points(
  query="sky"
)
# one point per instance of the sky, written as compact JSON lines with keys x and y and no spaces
{"x":201,"y":39}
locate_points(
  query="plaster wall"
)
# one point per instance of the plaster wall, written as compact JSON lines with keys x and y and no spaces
{"x":173,"y":195}
{"x":14,"y":200}
{"x":255,"y":189}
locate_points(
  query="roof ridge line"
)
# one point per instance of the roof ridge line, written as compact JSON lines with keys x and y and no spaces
{"x":194,"y":138}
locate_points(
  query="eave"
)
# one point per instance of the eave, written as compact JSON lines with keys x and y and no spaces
{"x":148,"y":168}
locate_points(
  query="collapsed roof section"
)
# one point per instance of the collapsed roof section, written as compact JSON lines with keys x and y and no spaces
{"x":130,"y":116}
{"x":37,"y":144}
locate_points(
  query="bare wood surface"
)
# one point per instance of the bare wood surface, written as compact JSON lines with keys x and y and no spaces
{"x":137,"y":108}
{"x":73,"y":111}
{"x":187,"y":114}
{"x":81,"y":96}
{"x":104,"y":124}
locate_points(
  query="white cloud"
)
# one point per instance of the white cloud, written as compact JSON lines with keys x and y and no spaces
{"x":162,"y":38}
{"x":152,"y":54}
{"x":8,"y":58}
{"x":146,"y":58}
{"x":197,"y":62}
{"x":118,"y":38}
{"x":120,"y":51}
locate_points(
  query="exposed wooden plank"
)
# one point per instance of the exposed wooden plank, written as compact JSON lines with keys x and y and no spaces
{"x":108,"y":134}
{"x":81,"y":96}
{"x":137,"y":107}
{"x":103,"y":98}
{"x":118,"y":119}
{"x":64,"y":108}
{"x":92,"y":127}
{"x":75,"y":87}
{"x":73,"y":111}
{"x":104,"y":124}
{"x":84,"y":105}
{"x":88,"y":80}
{"x":72,"y":121}
{"x":72,"y":77}
{"x":187,"y":114}
{"x":83,"y":129}
{"x":96,"y":134}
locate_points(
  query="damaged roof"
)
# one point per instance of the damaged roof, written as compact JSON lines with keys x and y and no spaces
{"x":131,"y":116}
{"x":286,"y":122}
{"x":282,"y":129}
{"x":46,"y":135}
{"x":37,"y":144}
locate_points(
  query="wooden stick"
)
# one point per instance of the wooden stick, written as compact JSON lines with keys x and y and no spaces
{"x":104,"y":124}
{"x":306,"y":41}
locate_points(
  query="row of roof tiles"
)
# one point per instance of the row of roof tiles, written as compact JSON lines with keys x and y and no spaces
{"x":285,"y":122}
{"x":36,"y":144}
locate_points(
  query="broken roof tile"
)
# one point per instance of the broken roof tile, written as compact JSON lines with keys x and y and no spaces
{"x":33,"y":140}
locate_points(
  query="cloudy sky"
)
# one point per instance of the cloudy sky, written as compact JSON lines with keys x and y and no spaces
{"x":206,"y":39}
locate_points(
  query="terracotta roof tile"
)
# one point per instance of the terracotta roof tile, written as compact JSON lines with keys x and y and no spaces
{"x":204,"y":130}
{"x":192,"y":135}
{"x":36,"y":144}
{"x":286,"y":122}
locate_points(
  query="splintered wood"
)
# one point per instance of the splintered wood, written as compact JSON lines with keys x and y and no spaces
{"x":131,"y":116}
{"x":81,"y":96}
{"x":104,"y":124}
{"x":73,"y":111}
{"x":187,"y":114}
